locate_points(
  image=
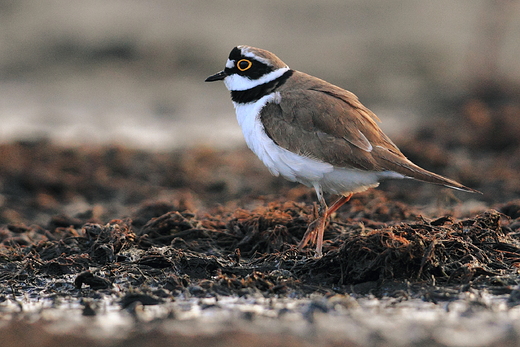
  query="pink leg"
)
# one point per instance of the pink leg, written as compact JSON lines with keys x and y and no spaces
{"x":316,"y":229}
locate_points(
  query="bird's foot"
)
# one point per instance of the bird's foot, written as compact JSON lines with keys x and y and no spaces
{"x":316,"y":229}
{"x":314,"y":235}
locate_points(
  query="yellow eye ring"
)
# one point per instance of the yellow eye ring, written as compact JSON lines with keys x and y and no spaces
{"x":243,"y":67}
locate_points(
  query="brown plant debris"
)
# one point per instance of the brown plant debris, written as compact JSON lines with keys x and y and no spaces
{"x":179,"y":250}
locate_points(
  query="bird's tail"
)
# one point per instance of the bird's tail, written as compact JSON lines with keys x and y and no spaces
{"x":403,"y":166}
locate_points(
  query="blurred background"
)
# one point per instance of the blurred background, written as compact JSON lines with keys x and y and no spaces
{"x":131,"y":72}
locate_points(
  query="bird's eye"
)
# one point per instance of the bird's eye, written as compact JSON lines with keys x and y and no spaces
{"x":244,"y":64}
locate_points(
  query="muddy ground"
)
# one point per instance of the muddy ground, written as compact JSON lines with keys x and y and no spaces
{"x":112,"y":246}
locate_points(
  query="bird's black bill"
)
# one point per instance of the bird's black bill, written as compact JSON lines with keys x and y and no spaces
{"x":216,"y":77}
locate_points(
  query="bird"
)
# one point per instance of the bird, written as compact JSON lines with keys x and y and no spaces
{"x":313,"y":132}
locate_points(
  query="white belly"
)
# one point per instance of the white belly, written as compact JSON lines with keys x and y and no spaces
{"x":297,"y":168}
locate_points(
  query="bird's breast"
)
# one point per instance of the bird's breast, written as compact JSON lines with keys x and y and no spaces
{"x":278,"y":160}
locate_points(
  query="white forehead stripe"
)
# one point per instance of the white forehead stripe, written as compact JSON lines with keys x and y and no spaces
{"x":249,"y":54}
{"x":230,"y":64}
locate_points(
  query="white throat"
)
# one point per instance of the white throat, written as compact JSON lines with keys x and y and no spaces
{"x":238,"y":83}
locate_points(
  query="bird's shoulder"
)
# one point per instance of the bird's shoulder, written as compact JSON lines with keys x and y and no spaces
{"x":318,"y":109}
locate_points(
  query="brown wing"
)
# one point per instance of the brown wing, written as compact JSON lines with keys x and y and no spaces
{"x":302,"y":123}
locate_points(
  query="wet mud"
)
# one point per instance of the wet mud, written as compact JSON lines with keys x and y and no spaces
{"x":154,"y":237}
